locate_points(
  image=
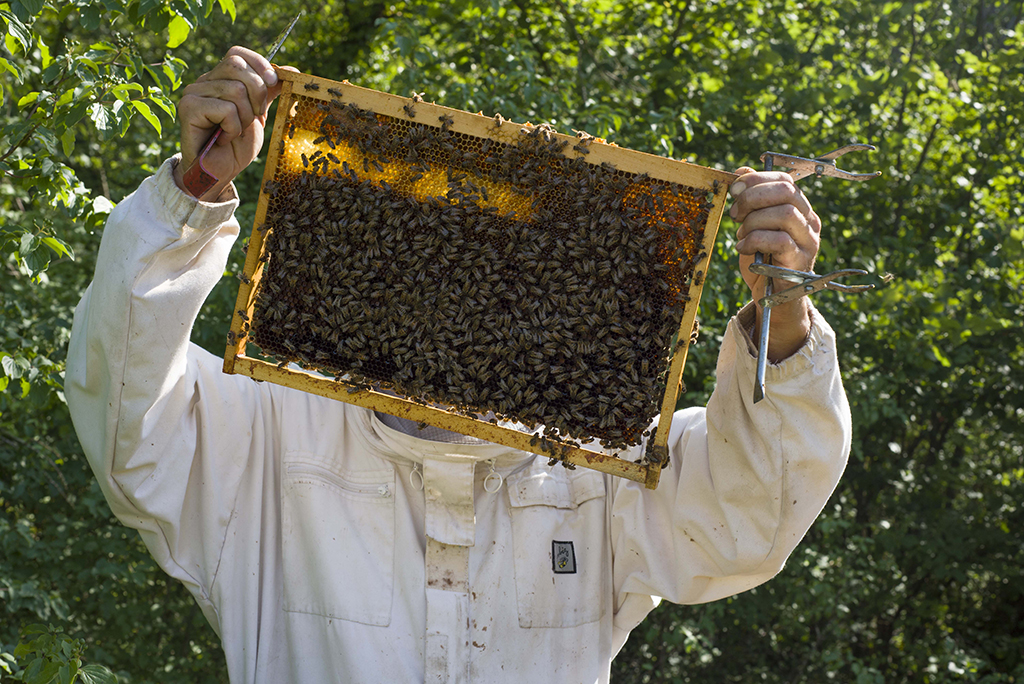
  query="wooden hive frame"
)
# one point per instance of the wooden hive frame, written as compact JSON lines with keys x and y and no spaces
{"x":305,"y":87}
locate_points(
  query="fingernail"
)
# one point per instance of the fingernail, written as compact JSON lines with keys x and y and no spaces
{"x":732,"y":211}
{"x":270,"y":77}
{"x":737,"y":188}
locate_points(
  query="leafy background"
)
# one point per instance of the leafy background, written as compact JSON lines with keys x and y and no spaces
{"x":912,"y":574}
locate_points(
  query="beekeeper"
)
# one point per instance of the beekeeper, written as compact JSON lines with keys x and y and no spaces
{"x":326,"y":543}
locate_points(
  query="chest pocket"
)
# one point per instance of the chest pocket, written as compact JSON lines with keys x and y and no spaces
{"x":562,"y":558}
{"x":338,"y":541}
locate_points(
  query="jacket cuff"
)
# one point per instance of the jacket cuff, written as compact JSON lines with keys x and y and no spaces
{"x":741,"y":328}
{"x":185,"y":209}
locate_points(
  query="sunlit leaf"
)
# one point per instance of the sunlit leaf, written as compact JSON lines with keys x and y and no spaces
{"x":144,"y":109}
{"x":13,"y":69}
{"x":17,"y":30}
{"x":228,"y":8}
{"x":60,"y":247}
{"x":178,"y":31}
{"x":101,"y":116}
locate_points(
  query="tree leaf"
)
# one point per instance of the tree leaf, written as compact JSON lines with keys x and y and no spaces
{"x":60,"y":247}
{"x":67,"y":141}
{"x":101,"y":116}
{"x":14,"y":368}
{"x":138,"y":68}
{"x":33,"y":7}
{"x":174,"y":68}
{"x":44,"y":52}
{"x":144,"y":109}
{"x":158,"y":76}
{"x":86,"y":66}
{"x":12,"y":68}
{"x":228,"y":8}
{"x":178,"y":31}
{"x":75,"y":114}
{"x":18,"y":30}
{"x":44,"y":675}
{"x":53,"y":72}
{"x":147,"y":6}
{"x":29,"y":243}
{"x":90,"y":17}
{"x":29,"y":98}
{"x":102,"y":205}
{"x":122,"y":91}
{"x":97,"y":674}
{"x":160,"y":100}
{"x":11,"y":43}
{"x":36,"y":262}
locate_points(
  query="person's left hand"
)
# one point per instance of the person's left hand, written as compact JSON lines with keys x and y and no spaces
{"x":777,"y":220}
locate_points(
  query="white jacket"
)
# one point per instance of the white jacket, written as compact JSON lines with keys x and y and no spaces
{"x":325,"y":547}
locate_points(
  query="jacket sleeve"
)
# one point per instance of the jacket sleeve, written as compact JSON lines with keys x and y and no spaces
{"x":153,"y":412}
{"x":744,"y":481}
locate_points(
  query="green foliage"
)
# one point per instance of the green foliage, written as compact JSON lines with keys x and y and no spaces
{"x":80,"y":82}
{"x":913,"y":571}
{"x":51,"y":657}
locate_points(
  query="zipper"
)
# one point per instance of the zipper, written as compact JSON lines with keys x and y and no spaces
{"x":381,"y":491}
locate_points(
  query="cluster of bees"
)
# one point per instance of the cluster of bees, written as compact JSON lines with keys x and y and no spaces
{"x":489,"y":277}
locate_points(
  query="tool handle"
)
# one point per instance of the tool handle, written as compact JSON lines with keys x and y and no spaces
{"x":766,"y":312}
{"x":762,"y":346}
{"x":197,"y":179}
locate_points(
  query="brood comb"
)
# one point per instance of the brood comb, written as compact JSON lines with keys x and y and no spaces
{"x":497,"y":279}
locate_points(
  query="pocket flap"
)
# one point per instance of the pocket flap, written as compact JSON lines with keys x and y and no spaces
{"x":542,"y":485}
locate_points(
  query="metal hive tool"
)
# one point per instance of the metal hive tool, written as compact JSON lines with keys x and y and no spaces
{"x":496,"y":279}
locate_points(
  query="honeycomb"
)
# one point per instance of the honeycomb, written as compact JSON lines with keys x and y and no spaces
{"x":506,"y":279}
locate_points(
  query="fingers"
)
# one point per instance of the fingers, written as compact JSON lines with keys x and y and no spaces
{"x":778,"y":224}
{"x":242,"y":81}
{"x":239,"y":60}
{"x":775,"y":218}
{"x":763,"y":192}
{"x":217,"y":103}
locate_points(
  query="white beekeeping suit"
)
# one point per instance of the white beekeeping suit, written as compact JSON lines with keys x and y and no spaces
{"x":325,"y":546}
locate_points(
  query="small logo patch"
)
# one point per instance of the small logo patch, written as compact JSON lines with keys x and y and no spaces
{"x":563,"y":558}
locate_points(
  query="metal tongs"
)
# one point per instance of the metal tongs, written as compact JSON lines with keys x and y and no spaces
{"x":809,"y":283}
{"x":806,"y":283}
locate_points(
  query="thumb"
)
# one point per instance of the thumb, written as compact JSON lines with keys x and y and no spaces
{"x":738,"y":186}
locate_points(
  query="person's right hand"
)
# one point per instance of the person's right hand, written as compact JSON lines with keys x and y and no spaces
{"x":235,"y":95}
